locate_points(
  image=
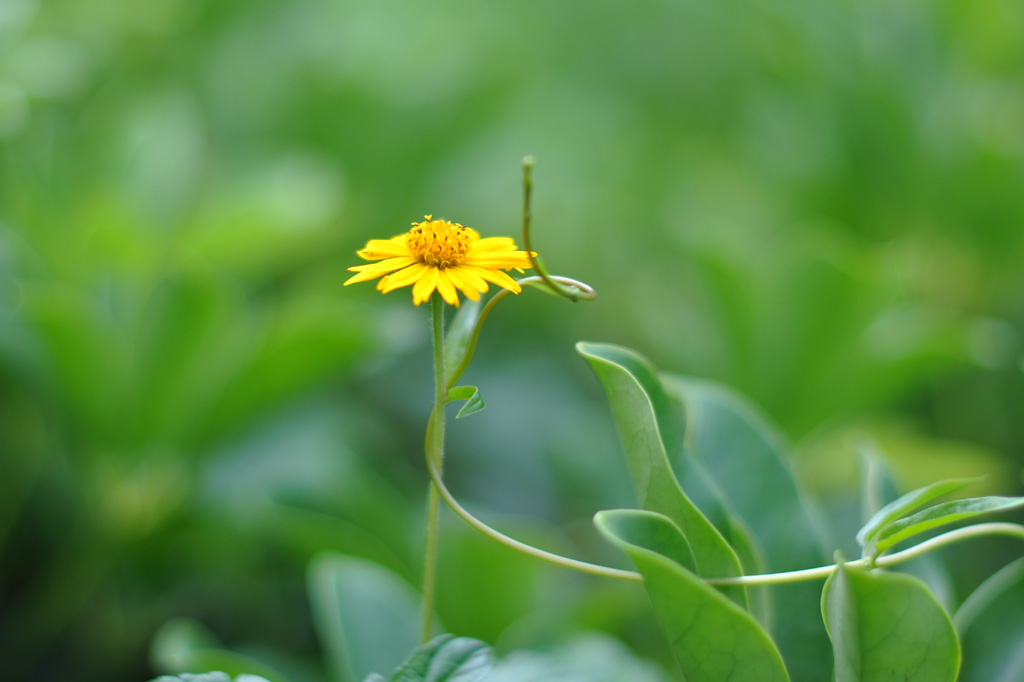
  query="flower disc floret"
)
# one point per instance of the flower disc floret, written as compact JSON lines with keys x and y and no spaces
{"x":443,"y":256}
{"x":440,"y":243}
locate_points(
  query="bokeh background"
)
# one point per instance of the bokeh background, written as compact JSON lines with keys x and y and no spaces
{"x":820,"y":204}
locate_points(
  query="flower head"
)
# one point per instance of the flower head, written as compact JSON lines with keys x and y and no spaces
{"x":438,"y":254}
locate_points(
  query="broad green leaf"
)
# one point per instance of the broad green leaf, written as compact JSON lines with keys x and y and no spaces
{"x":991,"y":627}
{"x":471,"y":394}
{"x":459,"y":335}
{"x":752,"y":561}
{"x":738,"y":461}
{"x":649,"y":432}
{"x":446,"y":658}
{"x":887,"y":627}
{"x":712,"y":638}
{"x":183,"y":645}
{"x":873,"y":529}
{"x":366,"y":616}
{"x":732,"y":465}
{"x":744,"y":457}
{"x":940,"y":515}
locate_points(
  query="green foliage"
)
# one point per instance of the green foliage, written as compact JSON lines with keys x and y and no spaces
{"x":586,"y":658}
{"x":182,"y":645}
{"x":897,"y":509}
{"x":802,"y":201}
{"x":883,"y":626}
{"x":712,"y":637}
{"x":887,"y":628}
{"x":732,"y":450}
{"x":649,"y":433}
{"x":445,"y":658}
{"x":725,"y":455}
{"x":208,"y":677}
{"x":366,"y":616}
{"x":940,"y":515}
{"x":471,"y":394}
{"x":991,"y":628}
{"x":460,"y":341}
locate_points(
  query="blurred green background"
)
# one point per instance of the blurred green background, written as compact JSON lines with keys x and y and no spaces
{"x":819,"y":204}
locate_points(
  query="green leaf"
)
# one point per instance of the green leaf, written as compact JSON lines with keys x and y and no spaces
{"x":459,"y":335}
{"x":991,"y":627}
{"x":734,"y":465}
{"x":184,"y":645}
{"x":752,"y":561}
{"x":471,"y":394}
{"x":942,"y":514}
{"x":887,"y":627}
{"x":366,"y":616}
{"x":745,"y":459}
{"x":872,"y":530}
{"x":573,"y":291}
{"x":446,"y":658}
{"x":712,"y":638}
{"x":649,"y":433}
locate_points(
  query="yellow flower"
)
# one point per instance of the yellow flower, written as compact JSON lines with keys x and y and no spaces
{"x":438,"y":254}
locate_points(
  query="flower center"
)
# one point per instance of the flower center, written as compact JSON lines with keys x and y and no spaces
{"x":440,"y":243}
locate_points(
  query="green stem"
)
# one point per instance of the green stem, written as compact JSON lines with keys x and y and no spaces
{"x":817,"y":573}
{"x":556,"y":287}
{"x":977,"y":530}
{"x":435,"y":461}
{"x":522,"y":547}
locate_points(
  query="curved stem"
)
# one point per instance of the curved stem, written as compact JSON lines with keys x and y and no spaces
{"x":556,"y":287}
{"x":529,"y":550}
{"x":952,"y":536}
{"x":818,"y":573}
{"x":435,"y":459}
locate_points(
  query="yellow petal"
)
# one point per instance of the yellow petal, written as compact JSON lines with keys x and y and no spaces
{"x":424,"y":287}
{"x":447,"y":289}
{"x":493,"y":244}
{"x":500,"y":260}
{"x":384,"y":248}
{"x":402,"y":278}
{"x":470,"y":283}
{"x":374,"y":270}
{"x":495,"y":276}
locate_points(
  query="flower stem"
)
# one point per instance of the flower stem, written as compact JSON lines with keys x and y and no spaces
{"x":522,"y":547}
{"x":817,"y":573}
{"x":965,"y":533}
{"x":435,"y":460}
